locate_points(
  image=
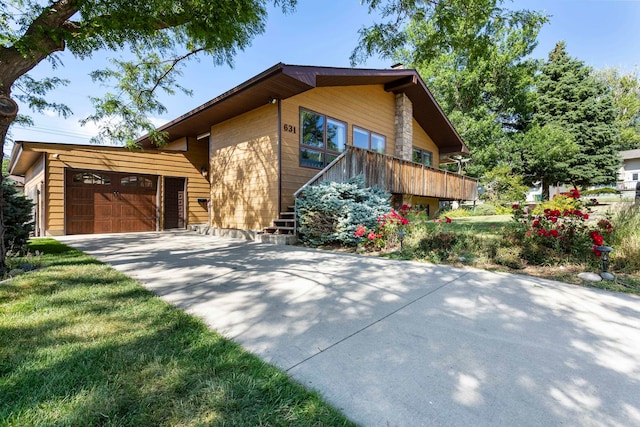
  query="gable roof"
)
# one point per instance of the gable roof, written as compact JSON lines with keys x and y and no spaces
{"x":630,"y":154}
{"x":283,"y":81}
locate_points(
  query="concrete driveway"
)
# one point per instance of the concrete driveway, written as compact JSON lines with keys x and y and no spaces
{"x":394,"y":343}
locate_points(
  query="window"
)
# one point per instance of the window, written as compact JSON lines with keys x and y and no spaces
{"x":423,"y":157}
{"x":322,"y":139}
{"x":371,"y":141}
{"x":91,"y":178}
{"x":634,"y":177}
{"x":136,"y":181}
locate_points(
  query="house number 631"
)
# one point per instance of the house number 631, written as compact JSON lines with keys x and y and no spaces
{"x":289,"y":128}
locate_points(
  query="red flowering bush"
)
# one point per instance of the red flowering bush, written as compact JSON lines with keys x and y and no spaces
{"x":385,"y":234}
{"x":555,"y":234}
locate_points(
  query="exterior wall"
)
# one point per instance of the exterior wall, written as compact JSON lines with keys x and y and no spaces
{"x":244,"y":170}
{"x":35,"y":190}
{"x":368,"y":107}
{"x":151,"y":162}
{"x":424,"y":141}
{"x":424,"y":203}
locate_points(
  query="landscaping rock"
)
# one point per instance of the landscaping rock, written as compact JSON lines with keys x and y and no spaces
{"x":607,"y":276}
{"x":590,"y":277}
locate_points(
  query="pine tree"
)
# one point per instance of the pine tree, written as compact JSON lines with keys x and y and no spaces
{"x":571,"y":97}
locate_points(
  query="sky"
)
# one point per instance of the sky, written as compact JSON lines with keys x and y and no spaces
{"x":602,"y":33}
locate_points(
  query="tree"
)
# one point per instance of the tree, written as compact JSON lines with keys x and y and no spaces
{"x":544,"y":155}
{"x":503,"y":187}
{"x":570,"y":97}
{"x":625,"y":89}
{"x":160,"y":35}
{"x":473,"y":55}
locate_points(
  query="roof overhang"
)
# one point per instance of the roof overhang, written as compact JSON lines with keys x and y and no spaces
{"x":283,"y":81}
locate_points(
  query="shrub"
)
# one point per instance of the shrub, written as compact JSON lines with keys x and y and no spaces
{"x":559,"y":235}
{"x":331,"y":212}
{"x":385,"y":233}
{"x":509,"y":256}
{"x":455,"y":213}
{"x":626,"y":239}
{"x":18,"y":218}
{"x":605,"y":190}
{"x":485,"y":209}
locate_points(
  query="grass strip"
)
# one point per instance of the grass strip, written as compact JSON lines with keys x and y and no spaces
{"x":82,"y":344}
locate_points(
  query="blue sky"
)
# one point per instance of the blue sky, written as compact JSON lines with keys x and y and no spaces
{"x":602,"y":33}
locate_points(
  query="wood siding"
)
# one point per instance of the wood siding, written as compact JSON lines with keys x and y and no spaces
{"x":150,"y":162}
{"x":398,"y":176}
{"x":367,"y":107}
{"x":244,"y":170}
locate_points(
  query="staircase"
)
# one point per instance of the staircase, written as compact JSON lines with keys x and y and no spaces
{"x":283,"y":230}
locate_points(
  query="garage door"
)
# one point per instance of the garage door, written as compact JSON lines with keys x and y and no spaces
{"x":109,"y":202}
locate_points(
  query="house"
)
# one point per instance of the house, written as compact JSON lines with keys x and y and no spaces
{"x":629,"y":173}
{"x":236,"y":162}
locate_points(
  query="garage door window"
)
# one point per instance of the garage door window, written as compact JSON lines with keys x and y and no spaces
{"x":137,"y":181}
{"x":91,"y":178}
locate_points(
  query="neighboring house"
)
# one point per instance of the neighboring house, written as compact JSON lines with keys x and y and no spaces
{"x":629,"y":173}
{"x":18,"y":182}
{"x":237,"y":161}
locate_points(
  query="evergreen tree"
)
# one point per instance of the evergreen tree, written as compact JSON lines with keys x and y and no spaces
{"x":569,"y":96}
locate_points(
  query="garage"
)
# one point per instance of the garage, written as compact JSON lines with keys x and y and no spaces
{"x":109,"y":202}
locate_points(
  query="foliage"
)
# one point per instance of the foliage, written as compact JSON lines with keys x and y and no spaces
{"x":560,"y":232}
{"x":502,"y":187}
{"x":455,"y":213}
{"x":331,"y":212}
{"x":158,"y":39}
{"x":82,"y":344}
{"x":18,"y":215}
{"x":601,"y":190}
{"x":626,"y":240}
{"x":571,"y":98}
{"x":384,"y":235}
{"x":625,"y":89}
{"x":544,"y":154}
{"x":485,"y":209}
{"x":473,"y":55}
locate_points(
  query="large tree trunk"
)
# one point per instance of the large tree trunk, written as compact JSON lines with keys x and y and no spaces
{"x":4,"y":127}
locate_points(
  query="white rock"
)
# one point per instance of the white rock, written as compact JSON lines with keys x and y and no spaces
{"x":590,"y":277}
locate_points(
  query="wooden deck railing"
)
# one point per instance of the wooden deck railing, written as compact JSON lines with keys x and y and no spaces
{"x":396,"y":176}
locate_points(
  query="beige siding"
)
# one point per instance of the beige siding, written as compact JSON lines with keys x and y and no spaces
{"x":151,"y":162}
{"x":368,"y":107}
{"x":424,"y":141}
{"x":34,"y":189}
{"x":244,"y":170}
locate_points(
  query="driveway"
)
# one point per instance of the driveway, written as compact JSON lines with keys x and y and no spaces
{"x":394,"y":343}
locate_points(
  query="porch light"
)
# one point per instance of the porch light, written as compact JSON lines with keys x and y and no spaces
{"x":604,"y":254}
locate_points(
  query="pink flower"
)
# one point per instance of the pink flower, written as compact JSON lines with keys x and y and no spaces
{"x":585,"y":216}
{"x":359,"y":231}
{"x":554,"y":233}
{"x":447,"y":219}
{"x":371,"y":235}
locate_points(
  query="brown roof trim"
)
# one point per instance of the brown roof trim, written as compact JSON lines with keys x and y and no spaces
{"x":283,"y":81}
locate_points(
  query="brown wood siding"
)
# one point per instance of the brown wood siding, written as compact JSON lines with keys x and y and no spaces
{"x":367,"y":107}
{"x":398,"y":176}
{"x":244,"y":170}
{"x":148,"y":162}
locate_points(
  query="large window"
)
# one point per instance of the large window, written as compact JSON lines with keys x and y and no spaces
{"x":423,"y":157}
{"x":363,"y":138}
{"x":322,"y":139}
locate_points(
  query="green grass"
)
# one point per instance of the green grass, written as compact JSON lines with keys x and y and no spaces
{"x":82,"y":344}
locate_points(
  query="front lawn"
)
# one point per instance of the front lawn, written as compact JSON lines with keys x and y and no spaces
{"x":82,"y":344}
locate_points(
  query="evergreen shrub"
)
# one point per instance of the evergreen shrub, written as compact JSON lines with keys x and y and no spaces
{"x":332,"y":211}
{"x":18,"y":218}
